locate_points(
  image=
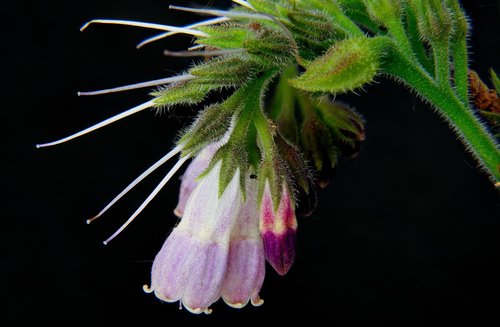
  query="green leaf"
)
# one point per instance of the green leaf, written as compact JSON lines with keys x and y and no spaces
{"x":347,"y":65}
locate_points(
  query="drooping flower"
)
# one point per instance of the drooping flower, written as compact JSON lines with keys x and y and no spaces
{"x":214,"y":251}
{"x":278,"y":229}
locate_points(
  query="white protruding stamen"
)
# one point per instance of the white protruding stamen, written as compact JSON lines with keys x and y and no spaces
{"x":214,"y":12}
{"x":207,"y":22}
{"x":244,"y":4}
{"x":108,"y":121}
{"x":146,"y":25}
{"x":150,"y":197}
{"x":136,"y":181}
{"x":168,"y":80}
{"x":196,"y":47}
{"x":202,"y":53}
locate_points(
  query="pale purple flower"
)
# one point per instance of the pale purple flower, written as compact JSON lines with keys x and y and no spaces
{"x":215,"y":250}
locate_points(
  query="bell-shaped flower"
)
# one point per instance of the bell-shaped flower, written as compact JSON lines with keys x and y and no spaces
{"x":278,"y":229}
{"x":214,"y":251}
{"x":190,"y":176}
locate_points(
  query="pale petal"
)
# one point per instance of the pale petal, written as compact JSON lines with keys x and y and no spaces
{"x":246,"y":263}
{"x":206,"y":277}
{"x":245,"y":272}
{"x":189,"y":178}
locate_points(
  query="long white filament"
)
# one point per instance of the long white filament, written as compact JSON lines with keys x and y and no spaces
{"x":212,"y":21}
{"x":230,"y":14}
{"x":136,"y":181}
{"x":108,"y":121}
{"x":146,"y":25}
{"x":149,"y":198}
{"x":244,"y":4}
{"x":202,"y":53}
{"x":196,"y":47}
{"x":162,"y":81}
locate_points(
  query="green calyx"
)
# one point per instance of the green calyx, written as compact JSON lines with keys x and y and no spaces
{"x":238,"y":153}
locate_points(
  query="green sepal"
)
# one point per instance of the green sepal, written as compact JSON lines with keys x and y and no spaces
{"x":270,"y":7}
{"x":210,"y":126}
{"x":234,"y":158}
{"x":435,"y":20}
{"x":184,"y":93}
{"x":282,"y":105}
{"x":495,"y":80}
{"x":317,"y":141}
{"x":272,"y":171}
{"x":348,"y":64}
{"x":295,"y":162}
{"x":224,"y":36}
{"x":345,"y":123}
{"x":315,"y":25}
{"x":226,"y":70}
{"x":269,"y":48}
{"x":382,"y":11}
{"x":234,"y":155}
{"x":460,"y":27}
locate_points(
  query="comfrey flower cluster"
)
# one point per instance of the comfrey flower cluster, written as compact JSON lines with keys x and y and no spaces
{"x":257,"y":156}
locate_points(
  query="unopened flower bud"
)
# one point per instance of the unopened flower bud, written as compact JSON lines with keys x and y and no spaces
{"x":278,"y":229}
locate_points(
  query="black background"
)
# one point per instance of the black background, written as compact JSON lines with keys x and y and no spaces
{"x":406,"y":234}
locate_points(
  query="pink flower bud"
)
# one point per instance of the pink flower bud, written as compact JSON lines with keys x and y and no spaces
{"x":278,"y":229}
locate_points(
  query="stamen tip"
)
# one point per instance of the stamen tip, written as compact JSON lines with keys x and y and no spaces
{"x":147,"y":289}
{"x":84,"y":26}
{"x":38,"y":146}
{"x":105,"y":242}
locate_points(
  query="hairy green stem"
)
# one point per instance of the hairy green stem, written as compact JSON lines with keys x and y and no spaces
{"x":416,"y":42}
{"x":441,"y":54}
{"x":472,"y":133}
{"x":396,"y":29}
{"x":461,"y":67}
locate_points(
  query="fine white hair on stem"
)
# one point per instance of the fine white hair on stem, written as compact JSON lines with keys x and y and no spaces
{"x":136,"y":181}
{"x":162,"y":81}
{"x":108,"y":121}
{"x":202,"y":53}
{"x":207,"y":22}
{"x":146,"y":25}
{"x":215,"y":12}
{"x":244,"y":4}
{"x":150,"y":197}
